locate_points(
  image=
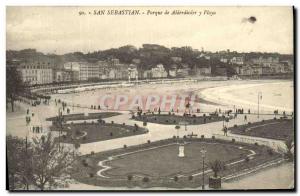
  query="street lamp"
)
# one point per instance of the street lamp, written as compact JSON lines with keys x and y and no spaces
{"x":177,"y":127}
{"x":223,"y":118}
{"x":59,"y":120}
{"x":26,"y":148}
{"x":259,"y":97}
{"x":203,"y":151}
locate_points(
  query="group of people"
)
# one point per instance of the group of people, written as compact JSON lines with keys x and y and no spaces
{"x":37,"y":129}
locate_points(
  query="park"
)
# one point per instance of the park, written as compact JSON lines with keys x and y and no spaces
{"x":175,"y":119}
{"x":280,"y":129}
{"x":158,"y":164}
{"x":159,"y":149}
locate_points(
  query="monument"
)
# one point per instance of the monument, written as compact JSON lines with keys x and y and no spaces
{"x":181,"y":150}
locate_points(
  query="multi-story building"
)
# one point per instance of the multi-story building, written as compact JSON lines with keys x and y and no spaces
{"x":113,"y":62}
{"x":173,"y":70}
{"x":220,"y":71}
{"x":37,"y":72}
{"x":66,"y":76}
{"x":238,"y":60}
{"x":61,"y":76}
{"x":267,"y":70}
{"x":289,"y":65}
{"x":245,"y":70}
{"x":147,"y":74}
{"x":132,"y":72}
{"x":279,"y":68}
{"x":257,"y":70}
{"x":159,"y":71}
{"x":265,"y":61}
{"x":73,"y":68}
{"x":183,"y":71}
{"x":103,"y":69}
{"x":88,"y":71}
{"x":224,"y":59}
{"x":122,"y":74}
{"x":72,"y":65}
{"x":202,"y":71}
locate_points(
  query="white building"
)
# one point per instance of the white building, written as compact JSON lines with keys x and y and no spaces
{"x":132,"y":72}
{"x":159,"y":71}
{"x":72,"y":66}
{"x":37,"y":72}
{"x":265,"y":61}
{"x":224,"y":60}
{"x":64,"y":76}
{"x":203,"y":71}
{"x":88,"y":71}
{"x":237,"y":60}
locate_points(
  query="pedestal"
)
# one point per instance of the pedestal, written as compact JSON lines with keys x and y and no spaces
{"x":214,"y":182}
{"x":181,"y":150}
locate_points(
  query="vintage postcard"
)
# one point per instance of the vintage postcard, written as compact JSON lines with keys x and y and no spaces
{"x":149,"y":98}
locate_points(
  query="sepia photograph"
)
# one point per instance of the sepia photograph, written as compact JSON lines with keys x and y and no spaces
{"x":150,"y":98}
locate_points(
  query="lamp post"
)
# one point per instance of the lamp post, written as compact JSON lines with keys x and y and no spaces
{"x":203,"y":151}
{"x":177,"y":127}
{"x":233,"y":109}
{"x":259,"y":97}
{"x":59,"y":120}
{"x":26,"y":152}
{"x":223,"y":118}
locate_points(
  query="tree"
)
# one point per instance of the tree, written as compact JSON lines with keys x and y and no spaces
{"x":18,"y":163}
{"x":14,"y":85}
{"x":50,"y":162}
{"x":289,"y":143}
{"x":216,"y":166}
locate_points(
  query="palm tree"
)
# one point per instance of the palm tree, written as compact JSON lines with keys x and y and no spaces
{"x":216,"y":166}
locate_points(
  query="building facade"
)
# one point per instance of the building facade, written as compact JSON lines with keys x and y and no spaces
{"x":88,"y":71}
{"x":237,"y":60}
{"x":37,"y":72}
{"x":202,"y":71}
{"x":159,"y":71}
{"x":133,"y":72}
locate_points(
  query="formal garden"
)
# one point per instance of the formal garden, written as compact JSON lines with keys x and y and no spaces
{"x":281,"y":129}
{"x":175,"y":119}
{"x":95,"y":131}
{"x":158,"y":164}
{"x":81,"y":116}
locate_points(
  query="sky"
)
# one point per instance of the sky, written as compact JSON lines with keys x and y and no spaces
{"x":62,"y":30}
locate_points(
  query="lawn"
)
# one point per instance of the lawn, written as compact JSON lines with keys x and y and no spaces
{"x":155,"y":164}
{"x":280,"y":129}
{"x":164,"y":161}
{"x":176,"y":119}
{"x":93,"y":132}
{"x":81,"y":116}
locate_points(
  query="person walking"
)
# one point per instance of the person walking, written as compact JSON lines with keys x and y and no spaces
{"x":225,"y":130}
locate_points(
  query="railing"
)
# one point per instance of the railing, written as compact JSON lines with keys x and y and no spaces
{"x":276,"y":145}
